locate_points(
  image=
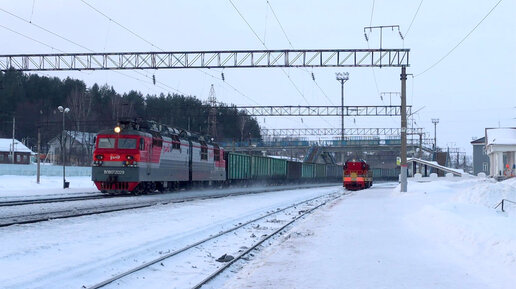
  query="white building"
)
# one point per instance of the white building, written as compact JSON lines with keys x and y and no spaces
{"x":501,"y":149}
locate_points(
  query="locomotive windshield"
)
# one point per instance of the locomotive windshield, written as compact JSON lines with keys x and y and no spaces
{"x":106,"y":143}
{"x":126,"y":143}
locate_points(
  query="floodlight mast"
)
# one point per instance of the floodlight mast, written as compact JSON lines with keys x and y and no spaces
{"x":342,"y":77}
{"x":63,"y":146}
{"x":435,"y":121}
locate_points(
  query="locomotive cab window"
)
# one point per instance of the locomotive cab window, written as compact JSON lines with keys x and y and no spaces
{"x":126,"y":143}
{"x":106,"y":143}
{"x":142,"y":144}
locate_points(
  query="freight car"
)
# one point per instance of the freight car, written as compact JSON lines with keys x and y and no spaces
{"x":142,"y":156}
{"x":357,"y":175}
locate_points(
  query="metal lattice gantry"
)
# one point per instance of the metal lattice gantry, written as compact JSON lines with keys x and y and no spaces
{"x":208,"y":59}
{"x":227,"y":59}
{"x":289,"y":132}
{"x":311,"y":110}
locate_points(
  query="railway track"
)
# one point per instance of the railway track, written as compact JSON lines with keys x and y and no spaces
{"x":51,"y":200}
{"x":291,"y":214}
{"x":73,"y":212}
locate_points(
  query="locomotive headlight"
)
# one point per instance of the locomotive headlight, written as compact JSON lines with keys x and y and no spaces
{"x":117,"y":129}
{"x":129,"y":157}
{"x":99,"y":157}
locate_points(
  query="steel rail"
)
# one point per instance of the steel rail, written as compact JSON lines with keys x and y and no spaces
{"x":239,"y":257}
{"x":188,"y":247}
{"x":65,"y":214}
{"x":51,"y":200}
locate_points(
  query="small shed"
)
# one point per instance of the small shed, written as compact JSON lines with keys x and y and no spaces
{"x":21,"y":152}
{"x":501,"y":149}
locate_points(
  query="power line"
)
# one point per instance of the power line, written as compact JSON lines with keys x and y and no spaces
{"x":264,"y":45}
{"x":372,"y":11}
{"x":281,"y":26}
{"x":372,"y":69}
{"x":413,"y":18}
{"x":324,"y":93}
{"x":153,"y":45}
{"x":261,"y":41}
{"x":28,"y":37}
{"x":248,"y":25}
{"x":290,"y":43}
{"x":117,"y":23}
{"x":74,"y":43}
{"x":44,"y":29}
{"x":460,"y":42}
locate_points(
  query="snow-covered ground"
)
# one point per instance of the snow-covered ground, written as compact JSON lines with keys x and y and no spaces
{"x":440,"y":234}
{"x":14,"y":186}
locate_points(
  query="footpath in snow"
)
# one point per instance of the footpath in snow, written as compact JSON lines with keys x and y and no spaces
{"x":441,"y":234}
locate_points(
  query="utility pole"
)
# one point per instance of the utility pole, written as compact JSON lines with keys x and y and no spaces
{"x":212,"y":116}
{"x":403,"y":78}
{"x":63,"y":145}
{"x":435,"y":121}
{"x":38,"y":160}
{"x":14,"y":129}
{"x":342,"y":77}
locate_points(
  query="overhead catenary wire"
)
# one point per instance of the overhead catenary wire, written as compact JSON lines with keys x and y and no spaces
{"x":119,"y":24}
{"x":248,"y":25}
{"x":461,"y":41}
{"x":157,"y":47}
{"x":45,"y":29}
{"x":164,"y":86}
{"x":292,"y":46}
{"x":264,"y":45}
{"x":30,"y":38}
{"x":413,"y":18}
{"x":372,"y":12}
{"x":372,"y":68}
{"x":281,"y":26}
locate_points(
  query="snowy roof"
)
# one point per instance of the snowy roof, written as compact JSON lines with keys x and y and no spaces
{"x":501,"y":136}
{"x":7,"y":143}
{"x":481,"y":141}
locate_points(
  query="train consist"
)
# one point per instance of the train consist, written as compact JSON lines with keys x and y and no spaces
{"x":357,"y":175}
{"x":140,"y":157}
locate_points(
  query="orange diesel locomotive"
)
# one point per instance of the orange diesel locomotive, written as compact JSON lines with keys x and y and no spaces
{"x":357,"y":175}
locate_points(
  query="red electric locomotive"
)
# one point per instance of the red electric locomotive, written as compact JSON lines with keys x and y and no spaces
{"x":142,"y":156}
{"x":357,"y":175}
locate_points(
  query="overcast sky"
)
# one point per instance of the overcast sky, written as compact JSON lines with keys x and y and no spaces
{"x":471,"y":89}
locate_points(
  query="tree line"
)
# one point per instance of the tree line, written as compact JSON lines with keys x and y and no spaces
{"x":32,"y":101}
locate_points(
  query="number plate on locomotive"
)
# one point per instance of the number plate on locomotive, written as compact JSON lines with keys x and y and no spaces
{"x":114,"y":172}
